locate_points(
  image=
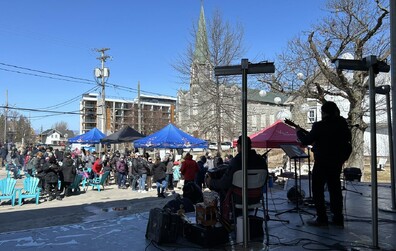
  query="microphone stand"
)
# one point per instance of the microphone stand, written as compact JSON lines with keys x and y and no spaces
{"x":309,"y":201}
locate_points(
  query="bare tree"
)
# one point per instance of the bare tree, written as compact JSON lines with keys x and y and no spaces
{"x":354,"y":29}
{"x":209,"y":107}
{"x":19,"y":129}
{"x":63,"y":128}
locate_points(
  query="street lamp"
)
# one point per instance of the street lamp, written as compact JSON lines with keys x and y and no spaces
{"x":277,"y":100}
{"x":263,"y":93}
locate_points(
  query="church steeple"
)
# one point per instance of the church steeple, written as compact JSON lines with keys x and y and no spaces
{"x":201,"y":53}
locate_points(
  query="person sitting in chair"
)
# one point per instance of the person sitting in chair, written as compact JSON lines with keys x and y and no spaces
{"x":223,"y":184}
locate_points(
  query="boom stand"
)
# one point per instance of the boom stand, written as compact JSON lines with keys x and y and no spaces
{"x":343,"y":188}
{"x":294,"y":152}
{"x":266,"y":214}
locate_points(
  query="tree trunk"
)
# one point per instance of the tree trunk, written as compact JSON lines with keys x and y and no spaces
{"x":358,"y":126}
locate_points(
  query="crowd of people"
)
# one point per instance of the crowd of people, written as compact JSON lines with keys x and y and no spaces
{"x":138,"y":172}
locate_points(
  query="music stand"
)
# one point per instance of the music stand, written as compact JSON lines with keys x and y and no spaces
{"x":295,"y":153}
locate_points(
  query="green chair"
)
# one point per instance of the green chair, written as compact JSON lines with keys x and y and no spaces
{"x":85,"y":179}
{"x":75,"y":186}
{"x":99,"y":181}
{"x":30,"y":190}
{"x":7,"y":190}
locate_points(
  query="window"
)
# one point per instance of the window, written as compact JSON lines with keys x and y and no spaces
{"x":312,"y":116}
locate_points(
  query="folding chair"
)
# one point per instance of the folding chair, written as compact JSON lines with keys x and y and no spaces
{"x":256,"y":180}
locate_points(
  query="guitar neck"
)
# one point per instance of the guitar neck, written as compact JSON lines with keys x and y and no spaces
{"x":291,"y":123}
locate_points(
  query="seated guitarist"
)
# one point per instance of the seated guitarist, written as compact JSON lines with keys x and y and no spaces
{"x":330,"y":138}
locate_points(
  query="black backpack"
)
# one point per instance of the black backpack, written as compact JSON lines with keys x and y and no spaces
{"x":174,"y":205}
{"x":193,"y":192}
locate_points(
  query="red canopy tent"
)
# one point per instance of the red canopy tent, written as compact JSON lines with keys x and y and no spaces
{"x":273,"y":136}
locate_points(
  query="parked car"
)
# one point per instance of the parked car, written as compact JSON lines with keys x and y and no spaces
{"x":213,"y":146}
{"x":226,"y":146}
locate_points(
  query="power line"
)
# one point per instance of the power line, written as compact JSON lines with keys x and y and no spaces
{"x":40,"y":110}
{"x":49,"y":73}
{"x":63,"y":77}
{"x":76,"y":98}
{"x":41,"y":76}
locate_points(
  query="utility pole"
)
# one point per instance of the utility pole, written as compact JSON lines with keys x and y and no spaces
{"x":139,"y":110}
{"x":103,"y":74}
{"x":5,"y":118}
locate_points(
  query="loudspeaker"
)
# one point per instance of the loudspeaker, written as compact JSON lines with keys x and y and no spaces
{"x":352,"y":174}
{"x":163,"y":226}
{"x":296,"y":195}
{"x":206,"y":236}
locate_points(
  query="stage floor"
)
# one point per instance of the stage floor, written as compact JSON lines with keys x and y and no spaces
{"x":106,"y":229}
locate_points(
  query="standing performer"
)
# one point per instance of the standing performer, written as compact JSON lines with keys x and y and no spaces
{"x":330,"y":138}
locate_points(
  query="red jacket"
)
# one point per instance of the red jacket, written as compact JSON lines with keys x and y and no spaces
{"x":97,"y":167}
{"x":189,"y":169}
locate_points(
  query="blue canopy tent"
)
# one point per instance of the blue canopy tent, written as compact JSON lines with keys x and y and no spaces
{"x":93,"y":136}
{"x":170,"y":137}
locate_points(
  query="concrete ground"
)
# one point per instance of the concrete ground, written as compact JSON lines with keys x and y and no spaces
{"x":117,"y":219}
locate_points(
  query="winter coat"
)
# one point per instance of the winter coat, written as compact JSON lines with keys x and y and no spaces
{"x":89,"y":160}
{"x":255,"y":161}
{"x":200,"y":177}
{"x":176,"y":173}
{"x":121,"y":166}
{"x":97,"y":167}
{"x":38,"y":165}
{"x":3,"y":152}
{"x":189,"y":169}
{"x":329,"y":138}
{"x":68,"y":170}
{"x":133,"y":167}
{"x":158,"y":171}
{"x":169,"y":167}
{"x":142,"y":166}
{"x":51,"y":172}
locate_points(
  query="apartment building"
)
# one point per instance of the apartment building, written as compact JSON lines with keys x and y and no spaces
{"x":155,"y":112}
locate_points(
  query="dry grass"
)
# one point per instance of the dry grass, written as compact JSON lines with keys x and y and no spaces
{"x":382,"y":176}
{"x":276,"y":155}
{"x":275,"y":160}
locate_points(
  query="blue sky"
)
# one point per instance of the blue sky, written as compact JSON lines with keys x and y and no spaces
{"x":144,"y":37}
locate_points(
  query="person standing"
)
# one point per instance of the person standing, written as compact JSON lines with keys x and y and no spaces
{"x":149,"y":179}
{"x":330,"y":138}
{"x":159,"y":175}
{"x":142,"y":170}
{"x":133,"y":174}
{"x":3,"y":155}
{"x":121,"y":168}
{"x":38,"y":163}
{"x":189,"y":169}
{"x":169,"y":172}
{"x":200,"y":177}
{"x":67,"y":174}
{"x":176,"y":173}
{"x":51,"y":169}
